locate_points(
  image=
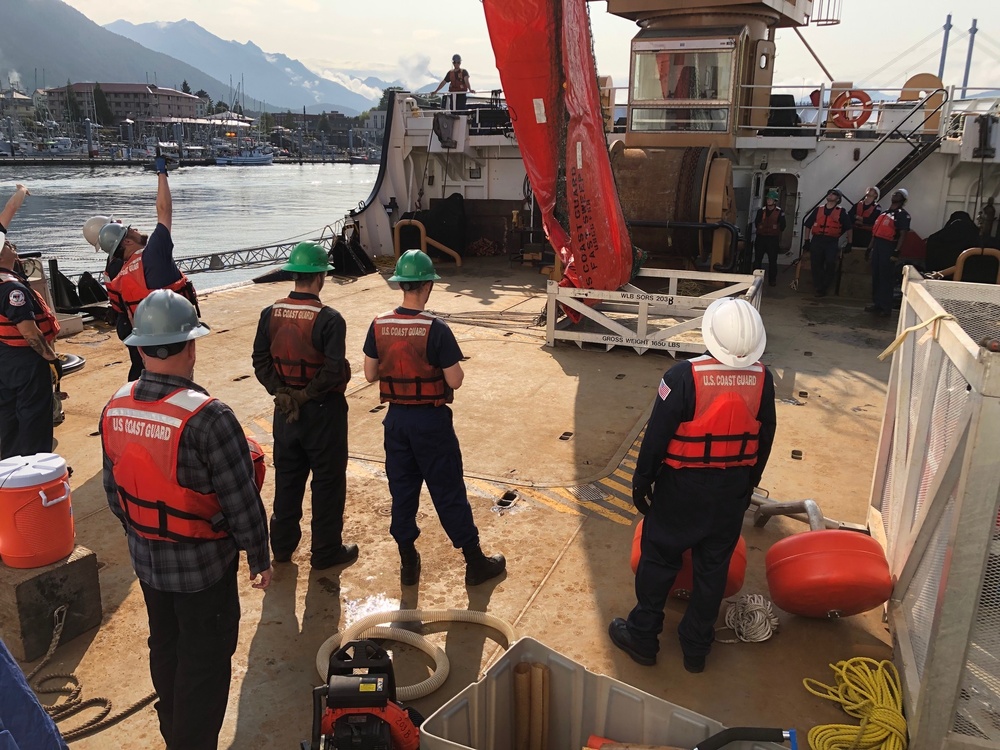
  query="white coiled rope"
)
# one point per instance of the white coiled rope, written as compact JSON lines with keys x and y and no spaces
{"x":371,"y":627}
{"x":751,"y":618}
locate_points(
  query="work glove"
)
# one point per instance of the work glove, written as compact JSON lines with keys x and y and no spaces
{"x":642,"y":493}
{"x":299,"y":396}
{"x":161,"y":165}
{"x":57,"y":372}
{"x":287,"y":405}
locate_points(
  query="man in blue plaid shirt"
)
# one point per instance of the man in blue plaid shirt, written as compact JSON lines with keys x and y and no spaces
{"x":178,"y":474}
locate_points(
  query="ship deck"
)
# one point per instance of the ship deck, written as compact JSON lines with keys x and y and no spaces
{"x":559,"y":426}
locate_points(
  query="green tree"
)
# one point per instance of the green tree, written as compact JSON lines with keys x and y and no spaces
{"x":101,"y":106}
{"x":185,"y":87}
{"x":266,"y":122}
{"x":221,"y":107}
{"x":238,"y":109}
{"x":386,"y":93}
{"x":202,"y":94}
{"x":73,"y":111}
{"x":323,"y":125}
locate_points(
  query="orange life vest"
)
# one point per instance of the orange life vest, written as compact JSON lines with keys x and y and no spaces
{"x":885,"y":227}
{"x":456,"y":80}
{"x":45,"y":319}
{"x":769,"y":222}
{"x":295,"y":358}
{"x":128,"y":288}
{"x":862,"y":213}
{"x":142,"y":440}
{"x":404,"y":374}
{"x":724,"y":431}
{"x":827,"y":225}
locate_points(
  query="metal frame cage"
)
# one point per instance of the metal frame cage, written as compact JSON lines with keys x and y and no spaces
{"x":934,"y":505}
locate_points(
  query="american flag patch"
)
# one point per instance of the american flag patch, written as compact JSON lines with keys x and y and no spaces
{"x":663,"y":390}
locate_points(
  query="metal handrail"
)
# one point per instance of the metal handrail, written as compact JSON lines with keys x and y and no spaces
{"x":878,"y":145}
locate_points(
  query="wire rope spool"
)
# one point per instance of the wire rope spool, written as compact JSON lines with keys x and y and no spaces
{"x":846,"y":105}
{"x":691,"y":184}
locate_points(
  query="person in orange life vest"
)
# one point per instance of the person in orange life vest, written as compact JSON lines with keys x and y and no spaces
{"x":705,"y":448}
{"x":458,"y":83}
{"x":28,"y":363}
{"x":888,"y":236}
{"x":416,"y":361}
{"x":769,"y":224}
{"x":299,"y":357}
{"x":146,"y":263}
{"x":826,"y":223}
{"x":863,"y":215}
{"x":179,"y":476}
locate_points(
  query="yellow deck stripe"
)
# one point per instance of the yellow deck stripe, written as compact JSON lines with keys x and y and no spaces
{"x":593,"y":507}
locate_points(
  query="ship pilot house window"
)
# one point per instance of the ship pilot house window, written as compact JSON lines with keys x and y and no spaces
{"x":681,"y":85}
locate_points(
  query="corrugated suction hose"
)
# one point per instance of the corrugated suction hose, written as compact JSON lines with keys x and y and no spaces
{"x":372,"y":627}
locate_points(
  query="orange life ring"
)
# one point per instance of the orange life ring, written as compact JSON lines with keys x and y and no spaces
{"x":839,"y":109}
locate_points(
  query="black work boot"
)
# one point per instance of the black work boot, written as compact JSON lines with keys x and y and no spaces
{"x":479,"y":568}
{"x":409,"y":568}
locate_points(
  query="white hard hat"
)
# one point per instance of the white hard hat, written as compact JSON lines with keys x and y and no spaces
{"x":733,"y":332}
{"x":92,"y":229}
{"x":904,"y":192}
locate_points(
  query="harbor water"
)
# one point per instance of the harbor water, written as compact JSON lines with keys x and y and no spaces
{"x":216,"y":209}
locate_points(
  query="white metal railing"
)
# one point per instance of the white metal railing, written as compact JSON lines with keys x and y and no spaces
{"x":668,"y":319}
{"x":934,"y":503}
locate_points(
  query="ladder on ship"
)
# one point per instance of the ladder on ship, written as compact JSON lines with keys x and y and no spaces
{"x":922,"y":147}
{"x":921,"y":150}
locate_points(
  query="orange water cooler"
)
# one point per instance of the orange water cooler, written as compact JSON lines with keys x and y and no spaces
{"x":36,"y":517}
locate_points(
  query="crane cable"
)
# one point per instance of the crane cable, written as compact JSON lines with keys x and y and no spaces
{"x":868,"y":690}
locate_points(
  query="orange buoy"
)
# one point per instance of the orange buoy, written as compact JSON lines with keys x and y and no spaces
{"x":259,"y":467}
{"x":842,"y":118}
{"x":685,"y":578}
{"x":36,"y":518}
{"x":828,"y":573}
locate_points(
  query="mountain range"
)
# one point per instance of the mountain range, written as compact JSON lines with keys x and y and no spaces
{"x":47,"y":43}
{"x":272,"y":78}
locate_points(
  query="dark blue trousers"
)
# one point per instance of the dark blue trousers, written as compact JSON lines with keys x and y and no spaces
{"x":421,"y":446}
{"x":693,"y":509}
{"x":823,"y":252}
{"x":25,"y":403}
{"x":883,"y":274}
{"x":317,"y":443}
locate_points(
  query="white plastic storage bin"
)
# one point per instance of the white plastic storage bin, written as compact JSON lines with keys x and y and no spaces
{"x":581,"y":703}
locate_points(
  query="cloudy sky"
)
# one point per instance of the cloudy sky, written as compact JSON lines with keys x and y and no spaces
{"x":413,"y":40}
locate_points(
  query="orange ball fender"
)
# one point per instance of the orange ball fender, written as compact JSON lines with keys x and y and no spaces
{"x":828,"y":573}
{"x":842,"y":118}
{"x":684,"y":581}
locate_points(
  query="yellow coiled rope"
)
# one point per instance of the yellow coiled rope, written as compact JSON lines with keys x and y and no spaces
{"x":868,"y":690}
